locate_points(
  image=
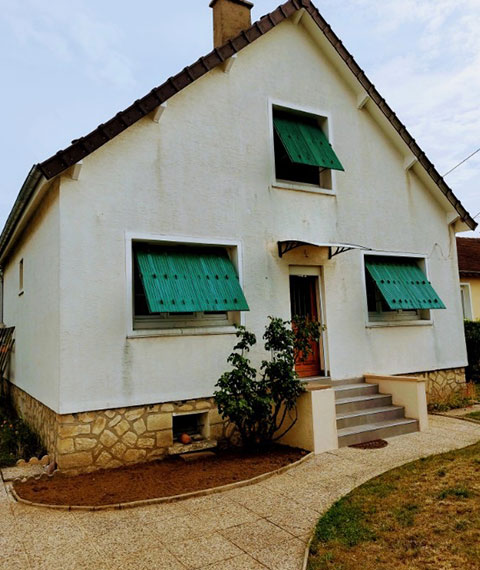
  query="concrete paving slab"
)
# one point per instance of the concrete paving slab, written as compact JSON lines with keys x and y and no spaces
{"x":199,"y":552}
{"x":20,"y":471}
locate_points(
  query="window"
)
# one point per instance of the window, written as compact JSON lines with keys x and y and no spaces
{"x":398,"y":289}
{"x":183,"y":286}
{"x":466,"y":301}
{"x":302,"y":151}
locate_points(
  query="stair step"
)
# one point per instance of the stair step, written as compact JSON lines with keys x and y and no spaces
{"x":355,"y":403}
{"x":359,"y":380}
{"x":369,"y":415}
{"x":377,"y":430}
{"x":351,"y":390}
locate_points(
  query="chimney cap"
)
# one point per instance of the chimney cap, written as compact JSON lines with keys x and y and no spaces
{"x":245,"y":3}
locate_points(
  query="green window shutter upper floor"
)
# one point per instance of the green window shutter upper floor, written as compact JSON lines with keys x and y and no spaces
{"x":177,"y":281}
{"x":305,"y":142}
{"x":403,"y":284}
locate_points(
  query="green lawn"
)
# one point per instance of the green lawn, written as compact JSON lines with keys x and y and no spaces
{"x":424,"y":515}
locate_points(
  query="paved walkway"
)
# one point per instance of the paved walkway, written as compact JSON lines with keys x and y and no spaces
{"x":262,"y":526}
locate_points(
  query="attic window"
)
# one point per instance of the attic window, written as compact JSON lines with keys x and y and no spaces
{"x":302,"y":151}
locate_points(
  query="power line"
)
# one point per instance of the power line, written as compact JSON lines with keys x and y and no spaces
{"x":460,"y":163}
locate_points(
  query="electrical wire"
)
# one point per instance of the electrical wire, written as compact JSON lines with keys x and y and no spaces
{"x":462,"y":162}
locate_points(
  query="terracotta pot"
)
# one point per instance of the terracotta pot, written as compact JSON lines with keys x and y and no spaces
{"x":185,"y":438}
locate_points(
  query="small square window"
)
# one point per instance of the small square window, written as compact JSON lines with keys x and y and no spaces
{"x":302,"y":151}
{"x":184,"y":286}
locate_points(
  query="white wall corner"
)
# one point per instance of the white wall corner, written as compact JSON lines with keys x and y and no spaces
{"x":406,"y":391}
{"x":297,"y":17}
{"x":227,"y":64}
{"x":362,"y":100}
{"x":409,"y":162}
{"x":316,"y":426}
{"x":158,"y":112}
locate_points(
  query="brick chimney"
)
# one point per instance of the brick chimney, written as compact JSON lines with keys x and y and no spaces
{"x":230,"y":17}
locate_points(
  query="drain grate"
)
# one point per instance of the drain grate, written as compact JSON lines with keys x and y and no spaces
{"x":374,"y":444}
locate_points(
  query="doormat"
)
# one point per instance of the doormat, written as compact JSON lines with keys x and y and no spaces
{"x":374,"y":444}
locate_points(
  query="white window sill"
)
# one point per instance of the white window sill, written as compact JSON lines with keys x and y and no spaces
{"x":383,"y":324}
{"x":299,"y":187}
{"x":190,"y":331}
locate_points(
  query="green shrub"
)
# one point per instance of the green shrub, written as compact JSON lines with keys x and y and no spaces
{"x":260,"y":404}
{"x":17,"y":440}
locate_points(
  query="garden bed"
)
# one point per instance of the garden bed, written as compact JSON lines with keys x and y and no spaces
{"x":166,"y":478}
{"x":422,"y":515}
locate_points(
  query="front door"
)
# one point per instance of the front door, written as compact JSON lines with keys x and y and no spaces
{"x":304,"y":303}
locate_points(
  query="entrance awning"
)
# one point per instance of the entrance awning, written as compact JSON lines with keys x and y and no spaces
{"x":334,"y":249}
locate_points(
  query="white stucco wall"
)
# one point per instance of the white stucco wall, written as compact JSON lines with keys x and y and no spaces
{"x":206,"y":171}
{"x":35,"y":313}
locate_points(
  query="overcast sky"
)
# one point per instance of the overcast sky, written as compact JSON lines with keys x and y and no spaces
{"x":68,"y":66}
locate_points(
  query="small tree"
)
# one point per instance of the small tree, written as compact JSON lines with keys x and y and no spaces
{"x":260,"y":404}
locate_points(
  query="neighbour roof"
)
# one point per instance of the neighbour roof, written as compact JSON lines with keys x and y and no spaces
{"x":469,"y":256}
{"x":82,"y":147}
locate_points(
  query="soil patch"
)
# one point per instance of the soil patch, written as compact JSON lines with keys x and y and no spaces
{"x":169,"y":477}
{"x":423,"y":515}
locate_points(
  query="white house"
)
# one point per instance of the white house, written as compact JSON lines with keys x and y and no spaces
{"x":268,"y":178}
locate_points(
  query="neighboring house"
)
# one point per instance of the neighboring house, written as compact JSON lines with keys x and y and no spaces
{"x":469,"y":267}
{"x":268,"y":178}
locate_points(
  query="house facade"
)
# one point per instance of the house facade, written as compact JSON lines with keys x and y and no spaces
{"x":269,"y":178}
{"x":469,"y":268}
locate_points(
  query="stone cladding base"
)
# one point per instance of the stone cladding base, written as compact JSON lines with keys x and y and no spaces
{"x":442,"y":385}
{"x":88,"y":441}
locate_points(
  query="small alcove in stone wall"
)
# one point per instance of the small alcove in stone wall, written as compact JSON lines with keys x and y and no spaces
{"x":194,"y":424}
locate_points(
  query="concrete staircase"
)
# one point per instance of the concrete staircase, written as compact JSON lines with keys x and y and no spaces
{"x":364,"y":415}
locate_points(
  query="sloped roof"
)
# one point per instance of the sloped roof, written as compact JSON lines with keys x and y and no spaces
{"x":469,"y":256}
{"x":82,"y":147}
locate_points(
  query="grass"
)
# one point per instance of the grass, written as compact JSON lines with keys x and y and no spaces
{"x":419,"y":516}
{"x":17,"y":441}
{"x":473,"y":415}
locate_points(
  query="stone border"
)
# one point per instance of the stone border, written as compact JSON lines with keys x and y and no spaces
{"x":44,"y":460}
{"x":171,"y":499}
{"x":444,"y":415}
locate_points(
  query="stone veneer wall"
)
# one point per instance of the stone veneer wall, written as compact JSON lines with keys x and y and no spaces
{"x":441,"y":385}
{"x":89,"y":441}
{"x":104,"y":439}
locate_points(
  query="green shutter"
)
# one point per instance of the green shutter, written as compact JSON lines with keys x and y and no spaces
{"x":403,"y":284}
{"x":305,"y":143}
{"x":177,"y":281}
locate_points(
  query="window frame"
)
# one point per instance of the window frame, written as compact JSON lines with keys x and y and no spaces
{"x":178,"y":325}
{"x":466,"y":299}
{"x":422,"y":317}
{"x":325,"y":117}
